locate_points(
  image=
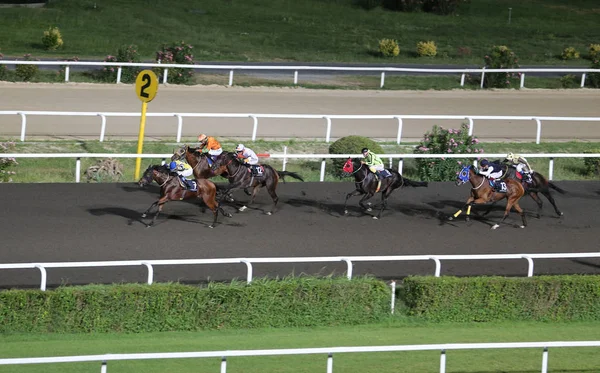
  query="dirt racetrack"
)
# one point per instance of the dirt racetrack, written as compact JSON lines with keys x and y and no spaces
{"x":94,"y":222}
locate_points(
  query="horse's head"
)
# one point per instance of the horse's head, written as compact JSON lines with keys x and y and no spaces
{"x":146,"y":177}
{"x":156,"y":173}
{"x":348,"y":167}
{"x":463,"y":175}
{"x":179,"y":154}
{"x":220,"y":165}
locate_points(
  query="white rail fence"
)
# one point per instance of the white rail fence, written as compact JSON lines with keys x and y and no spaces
{"x":329,"y":351}
{"x":296,"y":69}
{"x":248,"y":262}
{"x":285,"y":157}
{"x":326,"y":117}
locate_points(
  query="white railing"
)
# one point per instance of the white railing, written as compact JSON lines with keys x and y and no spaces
{"x":248,"y":262}
{"x":329,"y":351}
{"x":296,"y":69}
{"x":326,"y":117}
{"x":285,"y":157}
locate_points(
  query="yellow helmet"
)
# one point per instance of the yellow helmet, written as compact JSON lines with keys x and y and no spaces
{"x":510,"y":156}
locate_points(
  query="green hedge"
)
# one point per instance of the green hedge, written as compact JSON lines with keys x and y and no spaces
{"x":176,"y":307}
{"x":540,"y":298}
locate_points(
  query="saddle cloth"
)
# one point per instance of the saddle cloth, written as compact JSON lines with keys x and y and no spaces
{"x":256,"y":170}
{"x":500,"y":186}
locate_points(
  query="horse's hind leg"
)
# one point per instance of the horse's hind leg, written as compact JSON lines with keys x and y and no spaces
{"x":362,"y":201}
{"x":351,"y":194}
{"x":160,"y":207}
{"x":210,"y":201}
{"x":509,"y":205}
{"x":384,"y":197}
{"x":273,"y":194}
{"x":551,"y":199}
{"x":520,"y":211}
{"x":539,"y":202}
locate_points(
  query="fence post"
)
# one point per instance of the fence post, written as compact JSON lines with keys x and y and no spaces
{"x":249,"y":268}
{"x":150,"y":273}
{"x":165,"y":74}
{"x":545,"y":360}
{"x":67,"y":73}
{"x":482,"y":77}
{"x":223,"y":364}
{"x":119,"y":72}
{"x":462,"y":80}
{"x":330,"y":363}
{"x":322,"y":176}
{"x":438,"y":266}
{"x":399,"y":137}
{"x":23,"y":125}
{"x":230,"y":78}
{"x":103,"y":367}
{"x":328,"y":133}
{"x":551,"y":169}
{"x":43,"y":278}
{"x":284,"y":158}
{"x":349,"y":267}
{"x":393,"y":305}
{"x":522,"y":80}
{"x":582,"y":80}
{"x":382,"y":79}
{"x":78,"y":170}
{"x":102,"y":126}
{"x":400,"y":165}
{"x":296,"y":77}
{"x":443,"y":362}
{"x":255,"y":128}
{"x":471,"y":125}
{"x":538,"y":134}
{"x":530,"y":265}
{"x":179,"y":127}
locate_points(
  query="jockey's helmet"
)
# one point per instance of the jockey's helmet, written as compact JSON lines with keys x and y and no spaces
{"x":510,"y":156}
{"x":202,"y":137}
{"x":484,"y":162}
{"x":172,"y":165}
{"x":365,"y":150}
{"x":240,"y":148}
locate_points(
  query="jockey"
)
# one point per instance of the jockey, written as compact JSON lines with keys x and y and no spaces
{"x":212,"y":145}
{"x":372,"y":161}
{"x":247,"y":155}
{"x":491,"y":170}
{"x":183,"y":170}
{"x":521,"y":164}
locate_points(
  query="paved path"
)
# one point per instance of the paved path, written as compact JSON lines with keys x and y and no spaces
{"x":91,"y":222}
{"x":213,"y":99}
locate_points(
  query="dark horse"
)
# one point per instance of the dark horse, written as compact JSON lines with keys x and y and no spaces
{"x":241,"y":176}
{"x":483,"y":192}
{"x":171,"y":190}
{"x":369,"y":185}
{"x":539,"y":185}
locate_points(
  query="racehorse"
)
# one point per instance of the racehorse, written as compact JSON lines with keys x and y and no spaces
{"x":539,"y":185}
{"x":483,"y":192}
{"x":240,"y":176}
{"x":171,"y":190}
{"x":369,"y":185}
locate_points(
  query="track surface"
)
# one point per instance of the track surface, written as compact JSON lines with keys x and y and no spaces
{"x":91,"y":222}
{"x":213,"y":99}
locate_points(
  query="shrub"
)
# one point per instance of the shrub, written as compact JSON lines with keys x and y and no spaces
{"x":569,"y":81}
{"x":27,"y":72}
{"x":52,"y":39}
{"x":592,"y":165}
{"x":108,"y":170}
{"x":368,"y":4}
{"x":570,"y":53}
{"x":426,"y":49}
{"x":7,"y":163}
{"x":3,"y":69}
{"x":594,"y":51}
{"x":125,"y":53}
{"x":389,"y":47}
{"x":351,"y":145}
{"x":594,"y":78}
{"x":178,"y":53}
{"x":442,"y":7}
{"x":445,"y":141}
{"x":403,"y":5}
{"x":500,"y":57}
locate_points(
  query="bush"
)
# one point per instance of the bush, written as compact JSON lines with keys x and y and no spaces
{"x":594,"y":78}
{"x":125,"y":53}
{"x":110,"y":170}
{"x":426,"y":49}
{"x":351,"y":145}
{"x":292,"y":302}
{"x":389,"y":47}
{"x":500,"y":57}
{"x":178,"y":53}
{"x":443,"y":7}
{"x":445,"y":141}
{"x":368,"y":4}
{"x":403,"y":5}
{"x":52,"y":39}
{"x":483,"y":299}
{"x":594,"y":51}
{"x":27,"y":72}
{"x":569,"y":81}
{"x":570,"y":53}
{"x":592,"y":165}
{"x":7,"y":163}
{"x":3,"y":69}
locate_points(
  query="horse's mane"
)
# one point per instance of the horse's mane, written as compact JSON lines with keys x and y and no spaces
{"x":161,"y":168}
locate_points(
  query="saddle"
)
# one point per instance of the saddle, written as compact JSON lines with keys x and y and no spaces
{"x":256,"y":170}
{"x":186,"y":184}
{"x":384,"y":174}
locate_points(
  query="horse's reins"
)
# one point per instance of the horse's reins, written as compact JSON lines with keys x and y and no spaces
{"x":482,"y":181}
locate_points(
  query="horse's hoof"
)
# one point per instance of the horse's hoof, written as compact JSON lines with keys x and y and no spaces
{"x":228,"y":215}
{"x":345,"y":212}
{"x":211,"y":226}
{"x":143,"y":215}
{"x":369,"y":203}
{"x":495,"y":226}
{"x":451,"y":218}
{"x":375,"y":217}
{"x":243,"y":208}
{"x":269,"y":213}
{"x":521,"y":226}
{"x":369,"y":209}
{"x":560,"y":214}
{"x":148,"y":225}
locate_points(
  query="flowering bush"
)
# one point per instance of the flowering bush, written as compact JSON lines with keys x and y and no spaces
{"x":27,"y":72}
{"x":60,"y":74}
{"x":426,"y":49}
{"x":570,"y":53}
{"x":389,"y":47}
{"x":125,"y":53}
{"x":52,"y":39}
{"x":445,"y":141}
{"x":501,"y":57}
{"x":6,"y":163}
{"x":178,"y":53}
{"x":594,"y":51}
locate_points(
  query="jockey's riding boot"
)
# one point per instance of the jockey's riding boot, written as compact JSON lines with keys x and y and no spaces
{"x":377,"y":175}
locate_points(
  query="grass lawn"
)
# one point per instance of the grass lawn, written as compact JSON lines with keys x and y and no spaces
{"x":399,"y":331}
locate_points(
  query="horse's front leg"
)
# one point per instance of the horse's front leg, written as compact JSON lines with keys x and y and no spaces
{"x":362,"y":200}
{"x":254,"y":191}
{"x":466,"y":206}
{"x":161,"y":202}
{"x":351,"y":194}
{"x":149,"y":208}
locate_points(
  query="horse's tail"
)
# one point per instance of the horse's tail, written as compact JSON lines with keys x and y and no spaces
{"x":413,"y":183}
{"x":283,"y":174}
{"x":559,"y":190}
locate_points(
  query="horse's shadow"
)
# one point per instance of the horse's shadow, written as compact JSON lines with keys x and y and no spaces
{"x":480,"y":213}
{"x":131,"y":215}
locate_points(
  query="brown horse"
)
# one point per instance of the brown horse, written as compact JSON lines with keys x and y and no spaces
{"x":367,"y":184}
{"x":241,"y":176}
{"x":483,"y":192}
{"x":171,"y":190}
